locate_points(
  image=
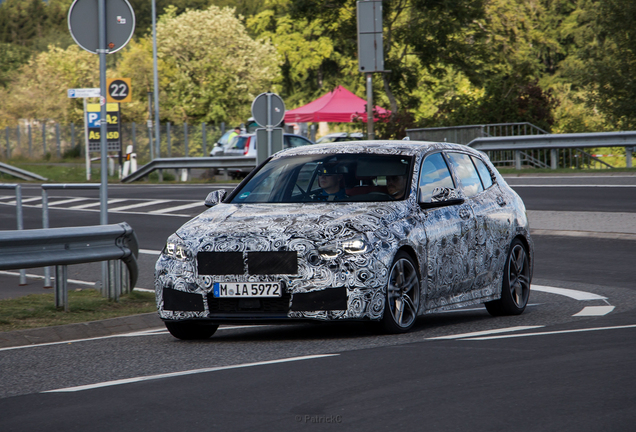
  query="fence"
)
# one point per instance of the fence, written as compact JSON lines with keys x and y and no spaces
{"x":570,"y":157}
{"x":44,"y":140}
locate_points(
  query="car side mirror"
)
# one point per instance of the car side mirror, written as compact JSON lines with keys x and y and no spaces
{"x":441,"y":197}
{"x":215,"y":197}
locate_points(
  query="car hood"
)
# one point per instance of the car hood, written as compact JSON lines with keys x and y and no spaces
{"x":279,"y":223}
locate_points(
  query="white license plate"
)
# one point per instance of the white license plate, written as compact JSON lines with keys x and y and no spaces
{"x":246,"y":289}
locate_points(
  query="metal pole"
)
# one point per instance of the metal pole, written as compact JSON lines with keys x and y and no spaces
{"x":185,"y":139}
{"x":6,"y":134}
{"x":269,"y":124}
{"x":103,"y":191}
{"x":18,"y":135}
{"x":44,"y":138}
{"x":72,"y":135}
{"x":87,"y":151}
{"x":18,"y":214}
{"x":156,"y":77}
{"x":45,"y":224}
{"x":30,"y":141}
{"x":169,"y":139}
{"x":628,"y":156}
{"x":203,"y":140}
{"x":57,"y":139}
{"x":150,"y":141}
{"x":370,"y":134}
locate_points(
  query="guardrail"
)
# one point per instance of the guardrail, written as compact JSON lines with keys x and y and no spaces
{"x":555,"y":142}
{"x":220,"y":162}
{"x":18,"y":214}
{"x":61,"y":247}
{"x":20,"y":173}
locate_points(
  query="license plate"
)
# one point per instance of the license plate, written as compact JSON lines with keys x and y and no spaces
{"x":247,"y":289}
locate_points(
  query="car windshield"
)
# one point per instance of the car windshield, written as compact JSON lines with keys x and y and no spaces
{"x":321,"y":178}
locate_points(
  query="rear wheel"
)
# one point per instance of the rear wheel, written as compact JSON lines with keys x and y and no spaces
{"x":516,"y":283}
{"x":402,"y":295}
{"x":189,"y":330}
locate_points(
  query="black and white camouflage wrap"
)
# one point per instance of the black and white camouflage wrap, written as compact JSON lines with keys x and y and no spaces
{"x":460,"y":258}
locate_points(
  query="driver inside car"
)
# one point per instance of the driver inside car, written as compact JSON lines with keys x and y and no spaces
{"x":331,"y":182}
{"x":396,"y":186}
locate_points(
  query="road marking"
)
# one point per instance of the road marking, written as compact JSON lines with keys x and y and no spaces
{"x":184,"y":373}
{"x":485,"y":332}
{"x":553,"y":332}
{"x":54,"y":203}
{"x":575,"y":294}
{"x":594,"y":311}
{"x":143,"y":204}
{"x":95,"y":204}
{"x":181,"y":207}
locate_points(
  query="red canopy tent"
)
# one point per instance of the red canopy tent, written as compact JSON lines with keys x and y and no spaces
{"x":339,"y":105}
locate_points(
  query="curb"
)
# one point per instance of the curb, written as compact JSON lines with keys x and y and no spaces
{"x":70,"y":332}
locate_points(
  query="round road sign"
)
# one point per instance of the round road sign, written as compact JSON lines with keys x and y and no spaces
{"x":118,"y":90}
{"x":260,"y":109}
{"x":84,"y":24}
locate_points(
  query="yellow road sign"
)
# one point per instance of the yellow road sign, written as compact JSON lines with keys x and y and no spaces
{"x":118,"y":90}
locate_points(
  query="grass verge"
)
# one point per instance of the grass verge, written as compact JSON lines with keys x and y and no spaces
{"x":38,"y":310}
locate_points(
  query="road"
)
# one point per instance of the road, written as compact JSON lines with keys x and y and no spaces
{"x":565,"y":364}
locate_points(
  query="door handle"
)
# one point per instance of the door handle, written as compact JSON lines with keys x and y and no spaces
{"x":501,"y":201}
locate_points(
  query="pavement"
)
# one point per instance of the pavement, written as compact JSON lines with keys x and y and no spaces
{"x":552,"y":223}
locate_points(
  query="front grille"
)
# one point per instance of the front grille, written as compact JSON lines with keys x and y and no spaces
{"x":220,"y":263}
{"x":258,"y":263}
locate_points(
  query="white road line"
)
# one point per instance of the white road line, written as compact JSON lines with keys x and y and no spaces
{"x":575,"y":294}
{"x":553,"y":332}
{"x":143,"y":204}
{"x":25,"y":200}
{"x":54,"y":203}
{"x":95,"y":204}
{"x":181,"y":207}
{"x":588,"y":311}
{"x":485,"y":332}
{"x":184,"y":373}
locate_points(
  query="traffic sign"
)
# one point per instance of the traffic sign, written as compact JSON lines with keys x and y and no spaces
{"x":84,"y":25}
{"x":268,"y":109}
{"x":83,"y":92}
{"x":119,"y":90}
{"x":113,"y":131}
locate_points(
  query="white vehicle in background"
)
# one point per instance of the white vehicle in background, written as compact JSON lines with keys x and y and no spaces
{"x":223,"y":144}
{"x":340,"y":136}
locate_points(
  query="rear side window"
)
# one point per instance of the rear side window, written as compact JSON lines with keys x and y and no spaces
{"x":240,"y":143}
{"x":466,"y":172}
{"x":434,"y":174}
{"x":292,"y":141}
{"x":484,"y":172}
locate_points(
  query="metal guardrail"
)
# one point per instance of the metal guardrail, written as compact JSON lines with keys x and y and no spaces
{"x":555,"y":142}
{"x":220,"y":162}
{"x":61,"y":247}
{"x":20,"y":173}
{"x":18,"y":214}
{"x":467,"y":133}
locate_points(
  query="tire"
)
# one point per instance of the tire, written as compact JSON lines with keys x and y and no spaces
{"x":188,"y":330}
{"x":402,"y":295}
{"x":515,"y":289}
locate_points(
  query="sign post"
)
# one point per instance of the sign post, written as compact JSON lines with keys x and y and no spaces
{"x":370,"y":49}
{"x":85,"y":93}
{"x":102,"y":27}
{"x":268,"y":110}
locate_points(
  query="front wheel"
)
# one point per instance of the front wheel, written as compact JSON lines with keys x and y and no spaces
{"x":189,"y":330}
{"x":402,"y":295}
{"x":515,"y":290}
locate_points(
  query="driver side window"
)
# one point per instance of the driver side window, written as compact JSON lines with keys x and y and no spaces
{"x":434,"y":174}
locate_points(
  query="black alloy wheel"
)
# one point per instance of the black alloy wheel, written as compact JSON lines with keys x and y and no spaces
{"x":402,"y":295}
{"x":516,"y":283}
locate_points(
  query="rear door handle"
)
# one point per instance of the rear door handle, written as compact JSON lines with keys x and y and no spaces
{"x":501,"y":201}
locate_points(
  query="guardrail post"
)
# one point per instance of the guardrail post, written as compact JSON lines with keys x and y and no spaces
{"x":517,"y":159}
{"x":61,"y":287}
{"x":554,"y":159}
{"x":18,"y":214}
{"x":45,"y":224}
{"x":628,"y":156}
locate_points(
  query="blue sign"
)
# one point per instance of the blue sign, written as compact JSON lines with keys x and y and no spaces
{"x":93,"y":119}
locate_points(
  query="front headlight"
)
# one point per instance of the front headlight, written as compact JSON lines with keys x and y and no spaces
{"x":176,"y":251}
{"x":334,"y":249}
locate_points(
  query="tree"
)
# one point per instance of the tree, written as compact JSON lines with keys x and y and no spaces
{"x":210,"y":68}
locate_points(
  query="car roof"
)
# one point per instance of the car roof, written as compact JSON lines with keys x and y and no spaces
{"x":377,"y":147}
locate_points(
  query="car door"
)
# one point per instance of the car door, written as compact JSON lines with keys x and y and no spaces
{"x":482,"y":194}
{"x":450,"y":230}
{"x":493,"y":216}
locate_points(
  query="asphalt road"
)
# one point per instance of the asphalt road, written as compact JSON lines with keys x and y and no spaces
{"x":556,"y":367}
